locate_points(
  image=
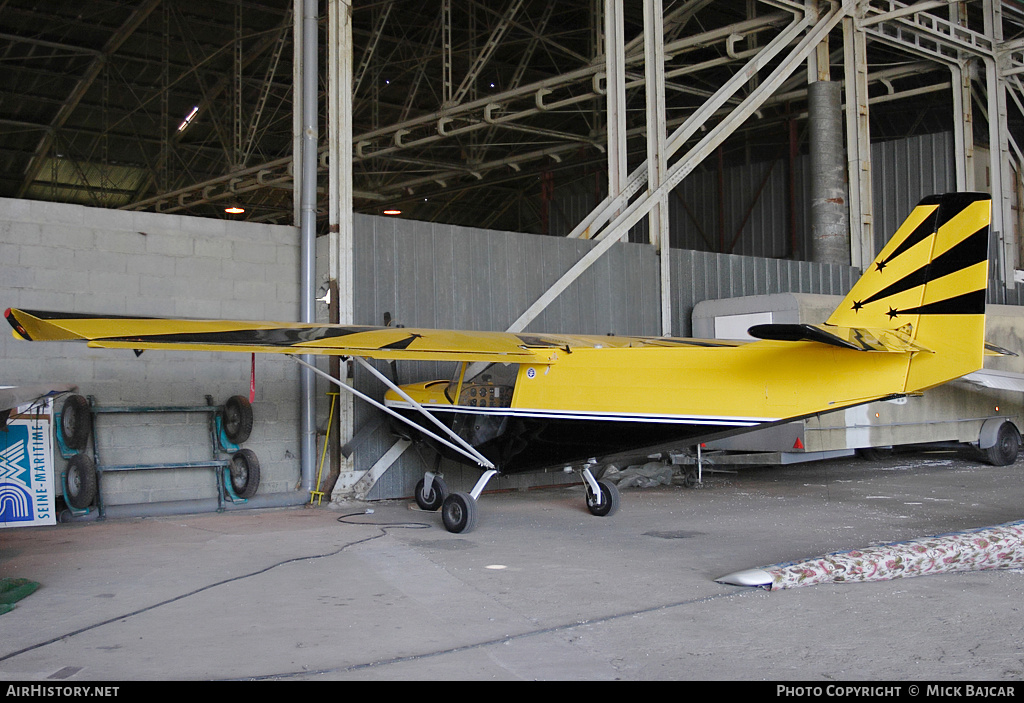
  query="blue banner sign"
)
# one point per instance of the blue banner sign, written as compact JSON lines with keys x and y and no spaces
{"x":26,"y":471}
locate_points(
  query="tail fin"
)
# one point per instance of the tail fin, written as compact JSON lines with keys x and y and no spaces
{"x":927,"y":288}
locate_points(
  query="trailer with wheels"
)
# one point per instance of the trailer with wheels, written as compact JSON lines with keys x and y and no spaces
{"x":237,"y":475}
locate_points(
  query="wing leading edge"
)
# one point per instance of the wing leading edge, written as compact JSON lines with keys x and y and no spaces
{"x":138,"y":333}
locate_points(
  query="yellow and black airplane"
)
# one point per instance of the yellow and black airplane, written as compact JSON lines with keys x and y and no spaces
{"x":914,"y":320}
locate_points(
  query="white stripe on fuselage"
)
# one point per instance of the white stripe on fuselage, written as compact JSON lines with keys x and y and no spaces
{"x":589,"y":415}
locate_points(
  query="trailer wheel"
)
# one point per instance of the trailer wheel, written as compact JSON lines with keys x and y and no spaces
{"x":80,"y":482}
{"x":245,"y":473}
{"x":874,"y":453}
{"x":1004,"y":451}
{"x":237,"y":419}
{"x":75,"y":422}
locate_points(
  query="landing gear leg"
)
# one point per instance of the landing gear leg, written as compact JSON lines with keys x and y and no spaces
{"x":602,"y":496}
{"x":458,"y":511}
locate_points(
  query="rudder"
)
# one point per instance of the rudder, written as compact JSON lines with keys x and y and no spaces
{"x":928,"y":286}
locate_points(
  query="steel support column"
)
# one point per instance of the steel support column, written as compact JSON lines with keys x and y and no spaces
{"x":999,"y":149}
{"x":830,"y":231}
{"x":658,"y":220}
{"x":963,"y":111}
{"x":963,"y":125}
{"x":858,"y":143}
{"x":340,"y":88}
{"x":307,"y":234}
{"x":615,"y":73}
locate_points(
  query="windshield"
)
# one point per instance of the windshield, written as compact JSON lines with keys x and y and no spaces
{"x":483,"y":385}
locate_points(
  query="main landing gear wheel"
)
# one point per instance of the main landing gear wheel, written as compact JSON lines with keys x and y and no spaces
{"x":431,"y":500}
{"x":608,"y":503}
{"x":458,"y":512}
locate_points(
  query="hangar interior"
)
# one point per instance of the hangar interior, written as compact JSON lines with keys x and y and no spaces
{"x":506,"y":167}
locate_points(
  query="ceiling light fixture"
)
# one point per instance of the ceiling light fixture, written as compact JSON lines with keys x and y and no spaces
{"x":188,"y":120}
{"x":234,"y":210}
{"x":392,"y":212}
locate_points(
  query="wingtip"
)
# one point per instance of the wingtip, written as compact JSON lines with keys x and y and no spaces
{"x":19,"y":330}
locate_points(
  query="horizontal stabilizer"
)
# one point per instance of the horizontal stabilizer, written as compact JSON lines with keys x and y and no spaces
{"x":857,"y":338}
{"x":993,"y":350}
{"x":798,"y":333}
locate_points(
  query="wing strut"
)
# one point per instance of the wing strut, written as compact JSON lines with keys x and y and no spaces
{"x":477,"y":456}
{"x":466,"y":449}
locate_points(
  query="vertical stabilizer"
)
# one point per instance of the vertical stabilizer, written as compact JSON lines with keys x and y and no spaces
{"x":928,"y":286}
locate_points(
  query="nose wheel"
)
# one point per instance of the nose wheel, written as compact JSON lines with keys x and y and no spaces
{"x":602,"y":496}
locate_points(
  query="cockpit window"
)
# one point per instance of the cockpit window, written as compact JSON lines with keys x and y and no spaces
{"x":484,"y":385}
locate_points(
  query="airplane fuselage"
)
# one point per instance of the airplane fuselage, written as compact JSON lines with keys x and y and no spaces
{"x":594,"y":402}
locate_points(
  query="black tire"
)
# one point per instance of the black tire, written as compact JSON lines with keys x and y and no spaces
{"x":75,"y":422}
{"x":690,"y":479}
{"x":458,"y":512}
{"x":609,"y":502}
{"x":237,"y":419}
{"x":244,"y":473}
{"x":432,"y":500}
{"x":874,"y":453}
{"x":80,"y":482}
{"x":1004,"y":451}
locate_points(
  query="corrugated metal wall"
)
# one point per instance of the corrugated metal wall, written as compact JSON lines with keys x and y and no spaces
{"x":904,"y":171}
{"x":701,"y":275}
{"x":752,"y":217}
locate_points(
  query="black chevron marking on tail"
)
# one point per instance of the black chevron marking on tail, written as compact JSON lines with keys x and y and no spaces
{"x":972,"y":303}
{"x":970,"y":251}
{"x":921,"y":232}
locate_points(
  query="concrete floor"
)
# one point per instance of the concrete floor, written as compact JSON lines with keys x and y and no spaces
{"x":540,"y":590}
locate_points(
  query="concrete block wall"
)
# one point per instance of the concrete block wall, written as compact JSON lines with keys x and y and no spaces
{"x":79,"y":259}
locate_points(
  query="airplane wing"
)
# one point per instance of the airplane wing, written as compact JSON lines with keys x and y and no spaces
{"x":991,"y":378}
{"x":139,"y":333}
{"x":14,"y":396}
